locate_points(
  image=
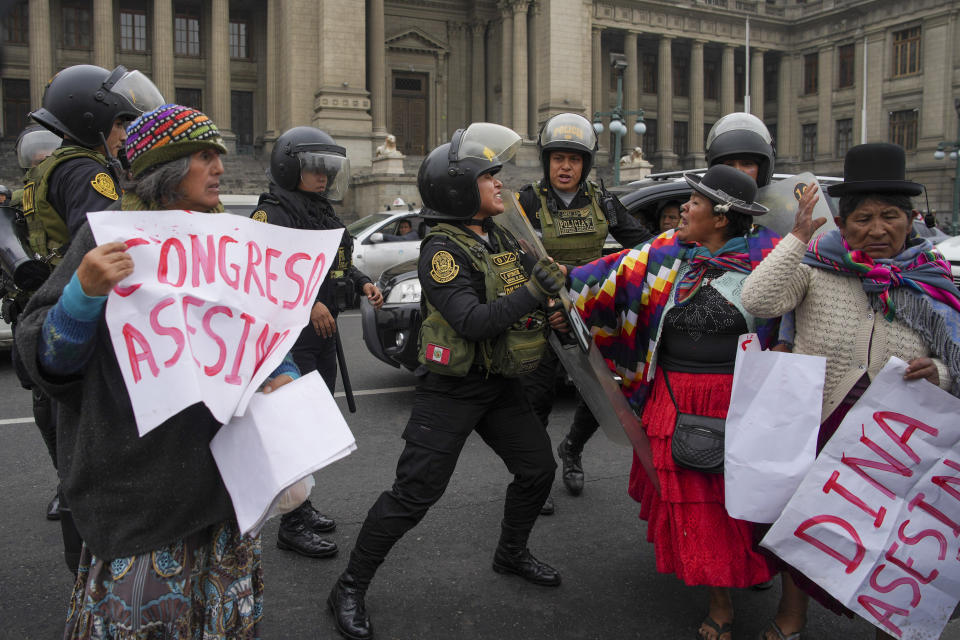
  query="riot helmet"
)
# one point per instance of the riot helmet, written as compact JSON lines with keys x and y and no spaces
{"x":82,"y":102}
{"x":6,"y":193}
{"x":567,"y":132}
{"x":447,"y":179}
{"x":308,"y":149}
{"x":34,"y":144}
{"x":742,"y":134}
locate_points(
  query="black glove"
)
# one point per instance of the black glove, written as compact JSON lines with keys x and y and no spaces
{"x":546,"y":279}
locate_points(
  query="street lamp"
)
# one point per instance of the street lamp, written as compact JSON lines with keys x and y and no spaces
{"x":618,"y":126}
{"x":953,"y":148}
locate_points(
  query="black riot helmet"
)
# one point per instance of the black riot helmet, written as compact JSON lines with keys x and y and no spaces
{"x":742,"y":134}
{"x":567,"y":132}
{"x":447,"y":179}
{"x":82,"y":102}
{"x":308,"y":149}
{"x":5,"y":191}
{"x":34,"y":144}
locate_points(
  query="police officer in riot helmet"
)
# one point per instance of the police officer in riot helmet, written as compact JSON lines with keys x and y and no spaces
{"x":573,"y":215}
{"x":34,"y":144}
{"x":88,"y":107}
{"x":485,"y":324}
{"x":307,"y":170}
{"x":6,"y":195}
{"x":742,"y":141}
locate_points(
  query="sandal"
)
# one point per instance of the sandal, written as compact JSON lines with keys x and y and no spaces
{"x":721,"y":629}
{"x":796,"y":635}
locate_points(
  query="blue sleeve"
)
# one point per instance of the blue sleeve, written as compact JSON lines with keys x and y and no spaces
{"x":286,"y":367}
{"x":787,"y":328}
{"x":69,"y":329}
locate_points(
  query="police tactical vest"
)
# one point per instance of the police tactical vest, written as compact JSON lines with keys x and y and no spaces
{"x":573,"y":236}
{"x":516,"y":351}
{"x":47,"y":231}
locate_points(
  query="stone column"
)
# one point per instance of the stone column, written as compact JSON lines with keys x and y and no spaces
{"x":477,"y":65}
{"x":378,"y":78}
{"x":41,"y":51}
{"x":696,"y":103}
{"x":756,"y":82}
{"x":727,"y":85}
{"x":506,"y":64}
{"x":533,"y":83}
{"x":519,"y":75}
{"x":825,"y":126}
{"x":162,"y":48}
{"x":218,"y":70}
{"x":272,"y":76}
{"x":666,"y":159}
{"x":787,"y":139}
{"x":631,"y":87}
{"x":596,"y":72}
{"x":103,"y":24}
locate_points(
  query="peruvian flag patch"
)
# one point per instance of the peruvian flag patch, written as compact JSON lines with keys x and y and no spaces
{"x":438,"y":354}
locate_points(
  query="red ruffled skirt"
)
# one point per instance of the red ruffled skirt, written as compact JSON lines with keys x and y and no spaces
{"x":687,"y":523}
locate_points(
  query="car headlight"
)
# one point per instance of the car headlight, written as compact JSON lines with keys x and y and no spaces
{"x":407,"y":291}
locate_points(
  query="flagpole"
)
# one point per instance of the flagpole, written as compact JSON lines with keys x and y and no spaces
{"x":863,"y":107}
{"x":746,"y":87}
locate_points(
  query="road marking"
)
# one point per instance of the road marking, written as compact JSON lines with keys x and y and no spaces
{"x":338,"y":394}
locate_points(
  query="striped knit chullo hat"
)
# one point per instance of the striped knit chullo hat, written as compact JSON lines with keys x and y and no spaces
{"x":167,"y":133}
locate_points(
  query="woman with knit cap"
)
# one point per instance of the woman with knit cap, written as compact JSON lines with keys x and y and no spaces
{"x":162,"y":553}
{"x":862,"y":293}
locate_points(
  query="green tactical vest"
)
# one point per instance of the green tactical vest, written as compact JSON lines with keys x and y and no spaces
{"x":47,"y":231}
{"x":516,"y":351}
{"x":573,"y":236}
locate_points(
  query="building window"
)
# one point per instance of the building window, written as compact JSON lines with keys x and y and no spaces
{"x":739,"y":80}
{"x":771,"y":79}
{"x":648,"y":73}
{"x":14,"y":27}
{"x":16,"y":105}
{"x":238,"y":39}
{"x":133,"y":30}
{"x":903,"y":128}
{"x":76,"y":27}
{"x":711,"y":80}
{"x":844,"y":138}
{"x":808,"y":142}
{"x":186,"y":32}
{"x":906,"y":52}
{"x":845,"y":66}
{"x":681,"y":77}
{"x":681,"y":145}
{"x":650,"y":137}
{"x":811,"y":63}
{"x":772,"y":128}
{"x":189,"y":98}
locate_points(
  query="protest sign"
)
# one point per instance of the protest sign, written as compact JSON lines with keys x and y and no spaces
{"x":284,"y":436}
{"x":768,"y":451}
{"x":876,"y":521}
{"x":212,"y":307}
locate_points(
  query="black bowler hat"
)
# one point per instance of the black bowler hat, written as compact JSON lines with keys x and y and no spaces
{"x":875,"y":167}
{"x":729,"y":188}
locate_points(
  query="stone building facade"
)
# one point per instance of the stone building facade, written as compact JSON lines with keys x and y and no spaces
{"x":824,"y":74}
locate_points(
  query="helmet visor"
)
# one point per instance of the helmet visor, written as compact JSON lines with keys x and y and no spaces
{"x":333,"y":171}
{"x":738,"y":122}
{"x":139,"y":91}
{"x":488,"y":141}
{"x":569,"y":128}
{"x":35,"y":146}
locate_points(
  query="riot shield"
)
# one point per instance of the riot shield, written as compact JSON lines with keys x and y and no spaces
{"x":782,"y":198}
{"x":598,"y":386}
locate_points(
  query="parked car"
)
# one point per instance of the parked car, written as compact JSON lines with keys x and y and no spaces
{"x":6,"y":335}
{"x":378,"y":243}
{"x":239,"y":204}
{"x":950,"y":248}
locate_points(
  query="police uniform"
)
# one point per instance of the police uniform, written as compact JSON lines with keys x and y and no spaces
{"x":302,"y":210}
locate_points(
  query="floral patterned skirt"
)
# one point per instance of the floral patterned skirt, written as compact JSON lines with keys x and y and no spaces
{"x":206,"y":586}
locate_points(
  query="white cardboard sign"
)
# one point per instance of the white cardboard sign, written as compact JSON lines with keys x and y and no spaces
{"x":213,"y":305}
{"x":876,"y":521}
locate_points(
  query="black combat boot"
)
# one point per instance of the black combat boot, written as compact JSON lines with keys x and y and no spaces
{"x":296,"y":535}
{"x":348,"y":608}
{"x":316,"y":521}
{"x":572,"y":468}
{"x":512,"y":556}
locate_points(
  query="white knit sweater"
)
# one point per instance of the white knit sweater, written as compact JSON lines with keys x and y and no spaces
{"x":833,"y":319}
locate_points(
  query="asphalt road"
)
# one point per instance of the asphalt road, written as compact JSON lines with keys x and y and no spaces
{"x":437,"y":583}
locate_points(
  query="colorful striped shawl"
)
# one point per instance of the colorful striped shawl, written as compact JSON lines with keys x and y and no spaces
{"x":621,"y":297}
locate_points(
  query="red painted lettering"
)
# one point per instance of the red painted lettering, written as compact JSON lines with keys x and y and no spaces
{"x":926,"y":533}
{"x":234,"y":376}
{"x":123,"y":292}
{"x":317,"y":271}
{"x":881,"y":418}
{"x":890,"y":586}
{"x":908,"y":565}
{"x":234,"y":280}
{"x":271,"y":276}
{"x":221,"y":345}
{"x":833,"y":485}
{"x":163,"y":269}
{"x":131,"y":335}
{"x":293,"y":275}
{"x":251,"y":274}
{"x":919,"y":501}
{"x":202,"y":260}
{"x":175,"y":334}
{"x":851,"y":564}
{"x":186,"y":302}
{"x":882,"y":612}
{"x":949,"y":483}
{"x":263,"y":349}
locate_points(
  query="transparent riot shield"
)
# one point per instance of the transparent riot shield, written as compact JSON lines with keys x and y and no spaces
{"x":582,"y":361}
{"x":783,"y":197}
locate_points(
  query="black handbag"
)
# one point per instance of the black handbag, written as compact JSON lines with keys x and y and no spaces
{"x":697,"y":440}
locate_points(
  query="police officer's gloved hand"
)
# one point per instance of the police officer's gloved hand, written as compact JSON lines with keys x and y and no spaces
{"x":546,"y":279}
